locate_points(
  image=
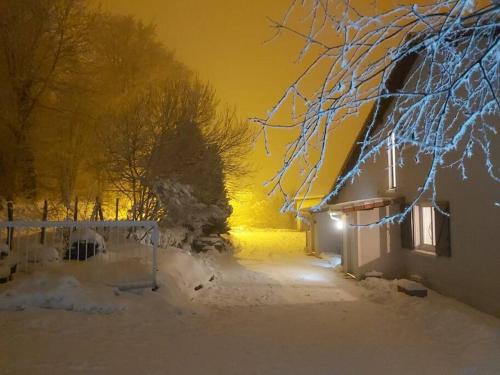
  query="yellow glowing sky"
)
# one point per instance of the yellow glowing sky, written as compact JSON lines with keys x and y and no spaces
{"x":223,"y":40}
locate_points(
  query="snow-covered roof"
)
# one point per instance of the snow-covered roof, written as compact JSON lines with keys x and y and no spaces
{"x":359,"y":205}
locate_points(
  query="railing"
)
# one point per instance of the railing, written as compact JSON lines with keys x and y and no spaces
{"x":122,"y":251}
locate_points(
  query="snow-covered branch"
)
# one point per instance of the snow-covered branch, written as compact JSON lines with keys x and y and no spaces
{"x":436,"y":66}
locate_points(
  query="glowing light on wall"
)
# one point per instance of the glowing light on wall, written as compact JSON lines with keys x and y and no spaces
{"x":340,"y":224}
{"x":337,"y":219}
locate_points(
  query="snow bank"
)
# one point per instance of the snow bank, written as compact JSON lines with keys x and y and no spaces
{"x":58,"y":293}
{"x":182,"y":275}
{"x":386,"y":291}
{"x":8,"y":262}
{"x":37,"y":253}
{"x":437,"y":313}
{"x":88,"y":286}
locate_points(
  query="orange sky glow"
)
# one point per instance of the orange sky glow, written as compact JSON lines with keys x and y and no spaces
{"x":224,"y":42}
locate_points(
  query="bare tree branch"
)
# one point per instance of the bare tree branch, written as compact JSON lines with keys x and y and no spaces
{"x":446,"y":107}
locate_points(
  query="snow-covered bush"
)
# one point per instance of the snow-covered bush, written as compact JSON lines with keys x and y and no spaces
{"x":84,"y":244}
{"x":188,"y":220}
{"x":88,"y":235}
{"x":38,"y":253}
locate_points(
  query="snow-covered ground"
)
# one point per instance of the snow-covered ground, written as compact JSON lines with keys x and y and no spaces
{"x":267,"y":310}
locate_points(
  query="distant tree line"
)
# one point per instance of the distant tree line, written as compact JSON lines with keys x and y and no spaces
{"x":92,"y":104}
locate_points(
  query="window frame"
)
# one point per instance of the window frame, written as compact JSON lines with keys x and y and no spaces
{"x":391,"y":161}
{"x":442,"y":229}
{"x":419,"y":228}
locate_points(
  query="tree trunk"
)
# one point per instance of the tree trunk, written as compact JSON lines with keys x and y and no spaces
{"x":116,"y":208}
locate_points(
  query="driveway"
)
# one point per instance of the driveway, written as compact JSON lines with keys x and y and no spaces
{"x":269,"y":310}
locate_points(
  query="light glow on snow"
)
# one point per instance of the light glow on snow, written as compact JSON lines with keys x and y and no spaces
{"x":312,"y":277}
{"x":277,"y":258}
{"x":260,"y":318}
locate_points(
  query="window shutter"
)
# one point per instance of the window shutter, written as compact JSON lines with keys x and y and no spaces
{"x":406,"y":227}
{"x":442,"y":227}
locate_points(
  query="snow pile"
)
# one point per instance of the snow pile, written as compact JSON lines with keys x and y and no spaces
{"x":410,"y":285}
{"x":87,"y":286}
{"x":182,"y":275}
{"x":436,"y":313}
{"x":388,"y":291}
{"x":37,"y":253}
{"x":8,"y":262}
{"x":379,"y":290}
{"x":57,"y":293}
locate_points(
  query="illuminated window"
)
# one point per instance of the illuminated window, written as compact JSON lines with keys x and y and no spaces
{"x":424,"y":228}
{"x":391,"y":160}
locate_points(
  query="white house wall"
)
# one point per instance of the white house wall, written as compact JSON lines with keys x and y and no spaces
{"x":327,"y":239}
{"x":375,"y":248}
{"x":472,"y":273}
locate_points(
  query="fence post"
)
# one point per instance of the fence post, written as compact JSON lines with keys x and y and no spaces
{"x":75,"y":211}
{"x":10,"y":217}
{"x":97,"y":211}
{"x":155,"y":239}
{"x":116,"y":208}
{"x":45,"y":216}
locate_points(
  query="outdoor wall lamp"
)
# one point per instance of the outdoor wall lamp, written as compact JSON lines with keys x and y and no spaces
{"x":337,"y":218}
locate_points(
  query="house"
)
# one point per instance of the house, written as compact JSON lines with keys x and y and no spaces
{"x":457,"y":255}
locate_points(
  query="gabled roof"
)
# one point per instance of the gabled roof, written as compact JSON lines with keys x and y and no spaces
{"x":395,"y":82}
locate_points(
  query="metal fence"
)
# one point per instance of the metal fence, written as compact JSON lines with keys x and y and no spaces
{"x":119,"y":253}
